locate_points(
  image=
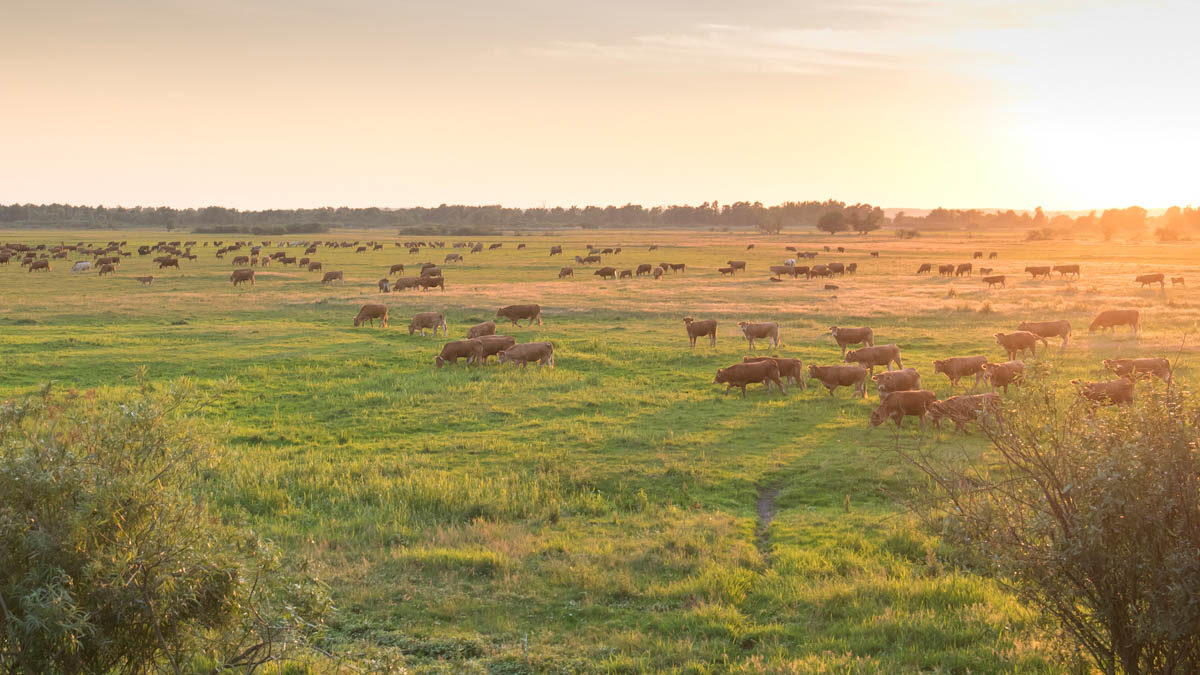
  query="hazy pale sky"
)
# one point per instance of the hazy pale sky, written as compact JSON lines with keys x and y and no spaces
{"x":1068,"y":104}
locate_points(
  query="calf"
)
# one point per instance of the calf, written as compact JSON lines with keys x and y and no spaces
{"x":897,"y":380}
{"x":1048,"y":329}
{"x":899,"y":404}
{"x":1131,"y":368}
{"x":768,"y":330}
{"x":869,"y":357}
{"x":1177,"y":281}
{"x":494,"y":344}
{"x":725,"y":271}
{"x":423,"y":320}
{"x":1111,"y":318}
{"x":1149,"y":279}
{"x":992,"y":282}
{"x":840,"y":376}
{"x":789,"y":369}
{"x":852,"y":336}
{"x":515,"y":312}
{"x":369,"y":313}
{"x":542,"y":352}
{"x":741,"y":374}
{"x":1017,"y":342}
{"x":471,"y":350}
{"x":696,"y":329}
{"x":962,"y":409}
{"x":1004,"y":374}
{"x":331,"y":277}
{"x":1113,"y":392}
{"x":481,"y":329}
{"x":958,"y":367}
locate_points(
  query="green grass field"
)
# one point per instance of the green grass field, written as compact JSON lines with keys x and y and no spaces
{"x":607,"y":514}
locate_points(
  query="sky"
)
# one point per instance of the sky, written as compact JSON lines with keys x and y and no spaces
{"x":1067,"y":104}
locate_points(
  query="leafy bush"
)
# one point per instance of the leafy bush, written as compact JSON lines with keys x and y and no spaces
{"x":108,"y":562}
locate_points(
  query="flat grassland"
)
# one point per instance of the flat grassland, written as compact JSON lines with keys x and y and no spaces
{"x":617,"y":512}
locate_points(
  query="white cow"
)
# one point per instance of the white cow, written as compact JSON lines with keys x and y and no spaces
{"x":81,"y":266}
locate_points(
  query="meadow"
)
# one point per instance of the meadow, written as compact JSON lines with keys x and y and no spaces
{"x":616,"y":513}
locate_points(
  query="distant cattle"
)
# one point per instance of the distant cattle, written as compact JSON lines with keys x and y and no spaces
{"x":43,"y":265}
{"x":312,"y":266}
{"x":643,"y":268}
{"x":588,"y":260}
{"x":1004,"y":374}
{"x":900,"y":404}
{"x":789,"y":369}
{"x":241,"y":260}
{"x":836,"y":268}
{"x":750,"y":247}
{"x":515,"y":313}
{"x":625,"y":274}
{"x":907,"y":379}
{"x":369,"y":313}
{"x":874,"y":254}
{"x":963,"y":269}
{"x":958,"y":367}
{"x":741,"y":374}
{"x":678,"y":267}
{"x":1114,"y":392}
{"x":81,"y":266}
{"x":1017,"y":342}
{"x":1038,"y":271}
{"x":241,"y":276}
{"x":1111,"y":318}
{"x":333,"y":276}
{"x":1177,"y":281}
{"x":556,"y":250}
{"x":924,"y":268}
{"x":424,"y":320}
{"x":977,"y":254}
{"x":658,"y":272}
{"x":566,"y":272}
{"x":169,"y":262}
{"x":881,"y":355}
{"x":768,"y":330}
{"x":146,"y":281}
{"x":736,"y":264}
{"x":481,"y":329}
{"x":702,"y":328}
{"x":995,"y":280}
{"x":426,"y":283}
{"x":962,"y":409}
{"x":852,"y":336}
{"x":1064,"y":270}
{"x":819,"y":271}
{"x":1131,"y":368}
{"x":606,"y":273}
{"x":1048,"y":329}
{"x":384,"y":285}
{"x":777,"y":270}
{"x":946,"y":270}
{"x":991,"y":255}
{"x":431,"y":271}
{"x":840,"y":376}
{"x":493,"y":247}
{"x":542,"y":352}
{"x":725,"y":271}
{"x":107,"y":268}
{"x":471,"y":350}
{"x":453,"y":257}
{"x":1151,"y":279}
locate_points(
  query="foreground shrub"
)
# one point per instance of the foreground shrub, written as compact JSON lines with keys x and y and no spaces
{"x":108,"y":562}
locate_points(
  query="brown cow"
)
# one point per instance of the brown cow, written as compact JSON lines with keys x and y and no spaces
{"x":146,"y":281}
{"x":1113,"y":392}
{"x":39,"y":265}
{"x":426,"y":283}
{"x":992,"y":281}
{"x":471,"y":350}
{"x":404,"y":283}
{"x":644,"y":268}
{"x":958,"y":367}
{"x":107,"y":268}
{"x":985,"y":271}
{"x":907,"y":379}
{"x":423,"y":320}
{"x":962,"y":409}
{"x":736,"y":265}
{"x":852,"y":336}
{"x":840,"y":376}
{"x":431,"y":271}
{"x":169,"y":262}
{"x":1148,"y":279}
{"x":1048,"y":329}
{"x":331,"y":277}
{"x":369,"y":313}
{"x":945,"y":270}
{"x":741,"y":374}
{"x":1004,"y":374}
{"x":542,"y":352}
{"x":452,"y":257}
{"x":1017,"y":342}
{"x":516,"y":312}
{"x":494,"y":344}
{"x":1177,"y":281}
{"x":768,"y":330}
{"x":625,"y":274}
{"x":1038,"y":271}
{"x":556,"y":250}
{"x":241,"y":260}
{"x":397,"y":268}
{"x":869,"y":357}
{"x":925,"y":267}
{"x":725,"y":271}
{"x":789,"y":369}
{"x":1111,"y":318}
{"x":678,"y":267}
{"x":963,"y":269}
{"x":384,"y":284}
{"x":898,"y":404}
{"x":243,"y":275}
{"x":696,"y":329}
{"x":566,"y":272}
{"x":1064,"y":270}
{"x":481,"y":329}
{"x":658,"y":272}
{"x":606,"y":273}
{"x":1131,"y":368}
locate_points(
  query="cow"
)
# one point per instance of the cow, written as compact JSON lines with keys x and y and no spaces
{"x":658,"y":272}
{"x":587,"y":260}
{"x":992,"y":255}
{"x":430,"y":270}
{"x":494,"y":344}
{"x":736,"y":265}
{"x":851,"y":268}
{"x":169,"y":262}
{"x":759,"y":331}
{"x":1017,"y":342}
{"x":741,"y":374}
{"x":1177,"y":281}
{"x":369,"y":313}
{"x":777,"y":270}
{"x":39,"y":265}
{"x":653,"y":247}
{"x":398,"y":268}
{"x":241,"y":260}
{"x":852,"y":336}
{"x":520,"y":247}
{"x":452,"y":257}
{"x":146,"y":281}
{"x":384,"y":284}
{"x":644,"y":268}
{"x":1113,"y":392}
{"x":1048,"y":329}
{"x":423,"y":320}
{"x":963,"y":269}
{"x":818,"y":271}
{"x":869,"y":357}
{"x":1038,"y":271}
{"x":1064,"y":270}
{"x":556,"y":250}
{"x":831,"y":287}
{"x":907,"y":379}
{"x":426,"y":283}
{"x":542,"y":352}
{"x":1131,"y":368}
{"x":606,"y":273}
{"x":242,"y":275}
{"x":962,"y":409}
{"x":333,"y":276}
{"x":899,"y":404}
{"x":481,"y":329}
{"x":1004,"y":374}
{"x":1150,"y":279}
{"x":679,"y":267}
{"x":81,"y":266}
{"x":750,"y":247}
{"x":977,"y":254}
{"x":840,"y":376}
{"x":836,"y":268}
{"x":874,"y":254}
{"x":725,"y":271}
{"x":566,"y":272}
{"x":516,"y":312}
{"x":958,"y":367}
{"x":697,"y":329}
{"x":107,"y":268}
{"x":404,"y":283}
{"x":312,"y":266}
{"x":625,"y":274}
{"x":1111,"y":318}
{"x":985,"y":271}
{"x":992,"y":281}
{"x":789,"y":369}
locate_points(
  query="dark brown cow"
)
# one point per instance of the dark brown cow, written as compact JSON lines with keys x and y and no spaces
{"x":397,"y":268}
{"x":1149,"y":279}
{"x":423,"y":320}
{"x":658,"y":272}
{"x":384,"y":285}
{"x":962,"y":409}
{"x":1004,"y":374}
{"x":107,"y":268}
{"x":1064,"y":270}
{"x":1131,"y":368}
{"x":789,"y":369}
{"x":606,"y":273}
{"x":958,"y":367}
{"x":678,"y":267}
{"x":907,"y":379}
{"x":516,"y":312}
{"x":312,"y":266}
{"x":963,"y":269}
{"x":625,"y":274}
{"x":899,"y":404}
{"x":241,"y":276}
{"x":426,"y":283}
{"x":556,"y":250}
{"x":39,"y":265}
{"x":697,"y":329}
{"x":852,"y":336}
{"x":331,"y":277}
{"x":741,"y":374}
{"x":481,"y":329}
{"x":1113,"y":392}
{"x":405,"y":283}
{"x":1111,"y":318}
{"x":736,"y":265}
{"x":1038,"y":271}
{"x":542,"y":352}
{"x":1048,"y":329}
{"x":146,"y":281}
{"x":725,"y":271}
{"x":993,"y":281}
{"x":431,"y":271}
{"x":369,"y":313}
{"x":840,"y":376}
{"x":644,"y":268}
{"x":767,"y":330}
{"x":566,"y":272}
{"x":945,"y":270}
{"x":881,"y":355}
{"x":169,"y":262}
{"x":1017,"y":342}
{"x":977,"y":254}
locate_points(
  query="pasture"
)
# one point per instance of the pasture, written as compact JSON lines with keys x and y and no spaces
{"x":616,"y":512}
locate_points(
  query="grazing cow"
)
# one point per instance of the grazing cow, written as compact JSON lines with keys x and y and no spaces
{"x":1113,"y":392}
{"x":1038,"y":271}
{"x":725,"y":271}
{"x":556,"y":250}
{"x":426,"y":283}
{"x":384,"y":285}
{"x":146,"y":281}
{"x":1048,"y":329}
{"x":431,"y":270}
{"x":169,"y":262}
{"x":369,"y":313}
{"x":992,"y":281}
{"x":453,"y":257}
{"x":993,"y":254}
{"x":481,"y":329}
{"x":1131,"y":368}
{"x":107,"y":268}
{"x":741,"y":374}
{"x":977,"y":254}
{"x":398,"y":268}
{"x":606,"y":273}
{"x":243,"y":275}
{"x":625,"y":274}
{"x":331,"y":277}
{"x":658,"y":272}
{"x":494,"y":344}
{"x":963,"y":269}
{"x":516,"y":312}
{"x":312,"y":266}
{"x":423,"y":320}
{"x":1150,"y":279}
{"x":587,"y":260}
{"x":493,"y":247}
{"x":958,"y":367}
{"x":678,"y":267}
{"x":945,"y":270}
{"x":831,"y":287}
{"x":1177,"y":281}
{"x":840,"y":376}
{"x":653,"y":247}
{"x":874,"y":254}
{"x":907,"y":379}
{"x":750,"y":247}
{"x":542,"y":352}
{"x":852,"y":336}
{"x":1004,"y":374}
{"x":836,"y":268}
{"x":789,"y":369}
{"x":1017,"y":342}
{"x":962,"y":409}
{"x":81,"y":266}
{"x":241,"y":260}
{"x":899,"y":404}
{"x":520,"y":246}
{"x":1111,"y":318}
{"x":697,"y":329}
{"x":644,"y":268}
{"x":566,"y":272}
{"x":361,"y":249}
{"x":985,"y":271}
{"x":1064,"y":270}
{"x":851,"y":268}
{"x":736,"y":264}
{"x":768,"y":330}
{"x":39,"y":265}
{"x":869,"y":357}
{"x":819,"y":271}
{"x":777,"y":270}
{"x":925,"y":267}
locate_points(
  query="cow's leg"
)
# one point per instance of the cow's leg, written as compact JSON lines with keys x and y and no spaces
{"x":712,"y":339}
